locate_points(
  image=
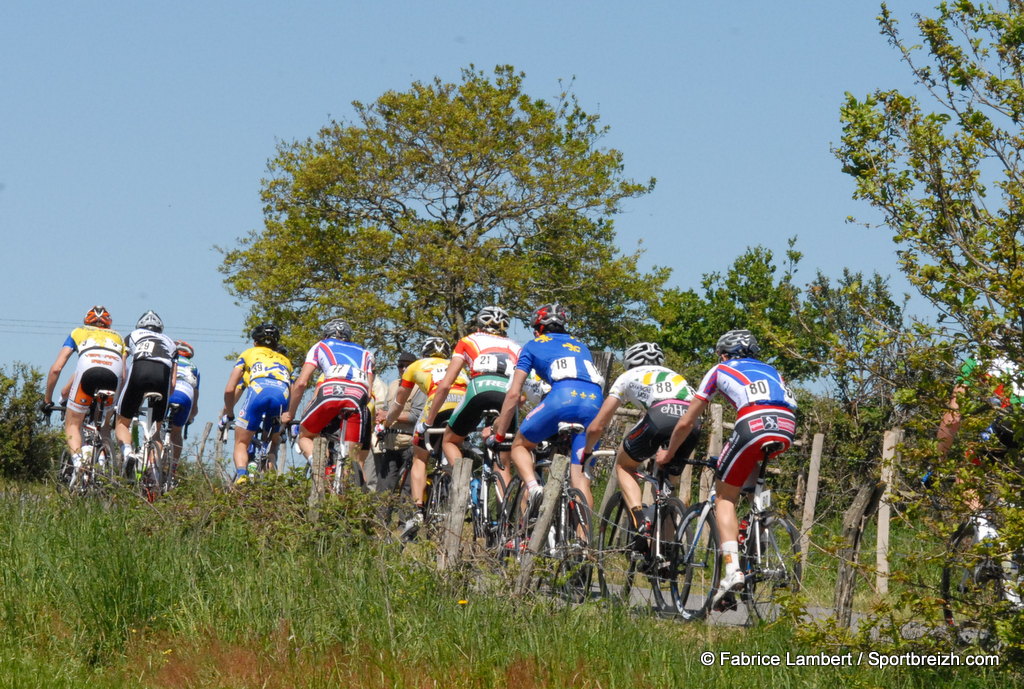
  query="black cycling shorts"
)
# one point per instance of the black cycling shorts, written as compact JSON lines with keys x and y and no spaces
{"x":145,"y":376}
{"x":654,"y":430}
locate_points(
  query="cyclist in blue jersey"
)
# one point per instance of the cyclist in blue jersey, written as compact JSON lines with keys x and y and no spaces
{"x":576,"y":396}
{"x":765,"y":413}
{"x":185,"y":395}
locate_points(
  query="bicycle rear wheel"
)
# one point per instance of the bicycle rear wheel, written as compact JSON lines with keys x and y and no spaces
{"x":438,"y":504}
{"x":511,"y":540}
{"x":776,"y":571}
{"x":699,"y":561}
{"x":487,"y":510}
{"x":616,"y":557}
{"x":974,"y":598}
{"x":663,"y":565}
{"x":570,"y":571}
{"x":149,"y":480}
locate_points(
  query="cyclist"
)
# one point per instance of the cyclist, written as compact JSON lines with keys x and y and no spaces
{"x":425,"y":373}
{"x":185,"y":395}
{"x":489,"y":358}
{"x":343,"y":389}
{"x":150,"y":367}
{"x":576,"y":396}
{"x":265,"y":373}
{"x":396,"y":445}
{"x":100,"y":367}
{"x":664,"y":395}
{"x":765,"y":413}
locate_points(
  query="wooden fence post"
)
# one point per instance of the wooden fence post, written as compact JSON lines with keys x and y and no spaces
{"x":202,"y":449}
{"x":854,"y":520}
{"x":890,"y":456}
{"x":810,"y":499}
{"x":715,"y":444}
{"x":317,"y":486}
{"x":458,"y":500}
{"x":552,"y":493}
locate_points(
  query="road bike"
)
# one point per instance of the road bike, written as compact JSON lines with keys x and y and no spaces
{"x":143,"y":466}
{"x":652,"y":551}
{"x":97,"y":468}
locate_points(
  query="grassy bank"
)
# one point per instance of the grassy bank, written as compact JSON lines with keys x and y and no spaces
{"x":239,"y":591}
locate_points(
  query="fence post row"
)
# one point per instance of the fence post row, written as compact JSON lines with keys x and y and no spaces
{"x":890,"y":455}
{"x":552,"y":492}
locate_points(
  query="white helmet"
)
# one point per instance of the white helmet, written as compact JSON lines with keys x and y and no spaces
{"x":493,"y":319}
{"x":150,"y":321}
{"x":644,"y":353}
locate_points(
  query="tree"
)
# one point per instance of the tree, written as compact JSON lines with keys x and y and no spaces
{"x":435,"y":202}
{"x":27,"y":447}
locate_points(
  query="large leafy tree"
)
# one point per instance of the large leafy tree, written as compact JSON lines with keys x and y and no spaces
{"x":436,"y":201}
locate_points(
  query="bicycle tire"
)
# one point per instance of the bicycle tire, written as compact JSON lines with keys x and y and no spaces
{"x":149,"y":480}
{"x":700,"y":562}
{"x":437,"y":504}
{"x":663,"y":561}
{"x":778,"y":568}
{"x":62,"y":471}
{"x":616,"y":561}
{"x":487,"y":511}
{"x":511,"y":534}
{"x":574,"y":570}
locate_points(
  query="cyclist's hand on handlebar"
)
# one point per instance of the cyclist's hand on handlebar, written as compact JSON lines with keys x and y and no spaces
{"x":224,"y":421}
{"x":286,"y":418}
{"x":661,"y":457}
{"x":420,"y":429}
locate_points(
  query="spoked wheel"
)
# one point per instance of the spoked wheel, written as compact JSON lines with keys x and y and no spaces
{"x":149,"y":480}
{"x":699,"y":562}
{"x":662,"y":564}
{"x":616,"y":557}
{"x":512,"y":534}
{"x":487,"y":511}
{"x":571,"y":563}
{"x":776,"y":571}
{"x":437,"y":504}
{"x":64,"y":472}
{"x":974,"y":591}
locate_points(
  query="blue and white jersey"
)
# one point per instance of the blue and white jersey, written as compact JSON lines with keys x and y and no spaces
{"x":558,"y":357}
{"x":746,"y":382}
{"x":340,"y":359}
{"x":187,"y":379}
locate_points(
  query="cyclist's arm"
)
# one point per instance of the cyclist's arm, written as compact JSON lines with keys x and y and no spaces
{"x":508,"y":407}
{"x":442,"y":389}
{"x":229,"y":391}
{"x":600,"y":423}
{"x":395,"y":410}
{"x":297,"y":391}
{"x":682,"y":430}
{"x":54,"y":375}
{"x":950,"y":424}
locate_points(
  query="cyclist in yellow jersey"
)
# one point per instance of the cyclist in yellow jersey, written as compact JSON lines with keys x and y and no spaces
{"x":267,"y":377}
{"x":425,"y":373}
{"x":100,"y":367}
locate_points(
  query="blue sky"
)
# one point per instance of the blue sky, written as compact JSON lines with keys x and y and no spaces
{"x":135,"y":134}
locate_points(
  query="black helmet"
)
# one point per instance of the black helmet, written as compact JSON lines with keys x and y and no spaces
{"x":549,"y":314}
{"x":150,"y":321}
{"x":644,"y":353}
{"x":406,"y":358}
{"x":737,"y":344}
{"x":265,"y":335}
{"x":337,"y":328}
{"x":493,"y":319}
{"x":436,"y":346}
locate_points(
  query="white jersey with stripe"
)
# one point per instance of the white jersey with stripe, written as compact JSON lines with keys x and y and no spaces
{"x":646,"y":385}
{"x":146,"y":345}
{"x":746,"y":382}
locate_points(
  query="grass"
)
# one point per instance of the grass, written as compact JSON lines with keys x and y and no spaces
{"x":239,"y":590}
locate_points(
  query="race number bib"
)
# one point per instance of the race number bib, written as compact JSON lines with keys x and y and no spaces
{"x":492,"y":364}
{"x":347,"y":372}
{"x":568,"y":367}
{"x":759,"y":391}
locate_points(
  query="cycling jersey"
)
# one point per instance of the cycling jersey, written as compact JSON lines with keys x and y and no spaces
{"x":646,"y":385}
{"x":146,"y":345}
{"x":186,"y":386}
{"x":426,"y":374}
{"x":558,"y":357}
{"x":263,"y":362}
{"x":746,"y":382}
{"x":485,"y":354}
{"x":88,"y":338}
{"x":341,"y":360}
{"x":100,"y":364}
{"x":149,"y":361}
{"x":1005,"y":374}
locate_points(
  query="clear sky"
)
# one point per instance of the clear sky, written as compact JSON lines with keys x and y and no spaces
{"x":134,"y":134}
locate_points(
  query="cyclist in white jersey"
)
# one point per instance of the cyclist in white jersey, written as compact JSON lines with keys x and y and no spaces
{"x":765,"y":413}
{"x":150,"y":367}
{"x":665,"y":396}
{"x":185,"y":395}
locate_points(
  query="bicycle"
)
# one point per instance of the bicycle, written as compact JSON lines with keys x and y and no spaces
{"x":97,"y":467}
{"x":769,"y":553}
{"x":623,"y":552}
{"x":168,"y":465}
{"x":147,"y":476}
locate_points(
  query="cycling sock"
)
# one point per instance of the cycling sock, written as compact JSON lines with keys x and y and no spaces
{"x":244,"y":471}
{"x":731,"y":556}
{"x":532,"y":484}
{"x":126,"y":449}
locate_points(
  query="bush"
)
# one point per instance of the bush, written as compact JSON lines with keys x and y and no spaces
{"x":27,"y":445}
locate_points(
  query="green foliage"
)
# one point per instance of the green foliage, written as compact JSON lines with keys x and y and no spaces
{"x":435,"y":202}
{"x":27,"y":446}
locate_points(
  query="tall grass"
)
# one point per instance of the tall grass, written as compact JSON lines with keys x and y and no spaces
{"x":239,"y":590}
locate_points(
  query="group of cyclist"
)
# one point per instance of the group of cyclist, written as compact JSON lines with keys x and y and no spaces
{"x":147,"y":361}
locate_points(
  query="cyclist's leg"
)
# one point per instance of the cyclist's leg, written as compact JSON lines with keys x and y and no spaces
{"x":73,"y":429}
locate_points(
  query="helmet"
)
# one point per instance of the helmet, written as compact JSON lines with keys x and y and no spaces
{"x":644,"y":353}
{"x":150,"y":321}
{"x":493,"y":319}
{"x":98,"y":316}
{"x":337,"y":328}
{"x":737,"y":343}
{"x":184,"y":349}
{"x":436,"y":346}
{"x":549,"y":314}
{"x":406,"y":358}
{"x":265,"y":335}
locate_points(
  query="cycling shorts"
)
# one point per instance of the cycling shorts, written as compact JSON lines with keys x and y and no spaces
{"x":572,"y":401}
{"x":755,"y":426}
{"x":336,"y":399}
{"x":184,"y":401}
{"x":484,"y":394}
{"x":145,"y":375}
{"x":262,"y":403}
{"x":654,"y":430}
{"x":440,"y":422}
{"x":91,"y":375}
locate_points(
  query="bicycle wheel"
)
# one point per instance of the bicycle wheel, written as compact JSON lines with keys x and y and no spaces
{"x":437,"y":504}
{"x":699,"y":561}
{"x":974,"y":597}
{"x":63,"y":471}
{"x":617,"y":560}
{"x":663,"y":565}
{"x":487,"y":510}
{"x":776,"y":570}
{"x":149,"y":480}
{"x":574,"y":568}
{"x":511,"y":538}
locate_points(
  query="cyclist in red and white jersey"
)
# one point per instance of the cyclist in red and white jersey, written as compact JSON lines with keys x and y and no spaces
{"x":100,"y":367}
{"x":765,"y":413}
